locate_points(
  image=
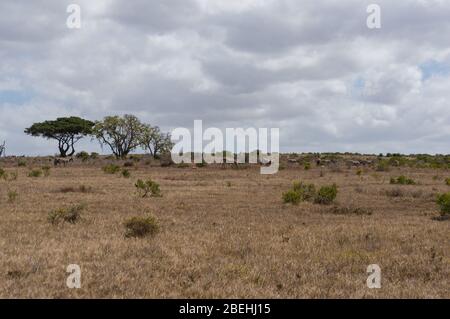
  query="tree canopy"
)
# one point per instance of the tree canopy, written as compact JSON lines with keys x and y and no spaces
{"x":66,"y":130}
{"x":121,"y":134}
{"x":156,"y":142}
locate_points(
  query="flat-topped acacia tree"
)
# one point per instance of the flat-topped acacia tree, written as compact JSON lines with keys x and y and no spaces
{"x":66,"y":130}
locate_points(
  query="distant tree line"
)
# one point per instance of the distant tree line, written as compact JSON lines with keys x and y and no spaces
{"x":121,"y":134}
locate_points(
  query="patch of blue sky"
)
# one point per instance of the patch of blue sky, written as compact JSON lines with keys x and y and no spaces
{"x":432,"y":67}
{"x":17,"y":97}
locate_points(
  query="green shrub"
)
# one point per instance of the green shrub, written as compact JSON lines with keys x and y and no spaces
{"x":46,"y":170}
{"x":147,"y":187}
{"x":306,"y":191}
{"x":13,"y":176}
{"x":395,"y":192}
{"x":12,"y":196}
{"x":126,"y":173}
{"x":383,"y":166}
{"x":94,"y":155}
{"x":35,"y":173}
{"x":307,"y":166}
{"x":350,"y":210}
{"x":443,"y":200}
{"x":70,"y":215}
{"x":21,"y":163}
{"x":141,"y":227}
{"x":326,"y":195}
{"x":3,"y":174}
{"x":447,"y":181}
{"x":84,"y":156}
{"x":402,"y":180}
{"x":111,"y":169}
{"x":292,"y":197}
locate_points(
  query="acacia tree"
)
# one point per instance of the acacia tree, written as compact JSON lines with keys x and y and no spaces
{"x":66,"y":130}
{"x":121,"y":134}
{"x":155,"y":141}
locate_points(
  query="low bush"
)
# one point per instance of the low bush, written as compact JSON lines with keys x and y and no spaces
{"x":402,"y":180}
{"x":395,"y":192}
{"x":148,"y":187}
{"x":46,"y":170}
{"x":350,"y":210}
{"x":126,"y":173}
{"x":3,"y":174}
{"x":70,"y":215}
{"x":306,"y":191}
{"x":84,"y":156}
{"x":292,"y":197}
{"x":326,"y":195}
{"x":21,"y":163}
{"x":140,"y":227}
{"x":443,"y":201}
{"x":35,"y":173}
{"x":111,"y":169}
{"x":12,"y":196}
{"x":447,"y":181}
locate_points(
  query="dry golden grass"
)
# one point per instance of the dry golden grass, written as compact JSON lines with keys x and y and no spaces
{"x":223,"y":233}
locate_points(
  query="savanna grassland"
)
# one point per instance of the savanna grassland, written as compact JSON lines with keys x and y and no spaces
{"x":221,"y":232}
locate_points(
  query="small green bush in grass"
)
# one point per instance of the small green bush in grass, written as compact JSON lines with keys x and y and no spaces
{"x":326,"y":195}
{"x":447,"y":181}
{"x":35,"y":173}
{"x":148,"y":187}
{"x":292,"y":197}
{"x":402,"y":180}
{"x":46,"y":170}
{"x":111,"y":169}
{"x":70,"y":215}
{"x":443,"y":200}
{"x":3,"y":174}
{"x":84,"y":156}
{"x":12,"y":196}
{"x":140,"y":227}
{"x":126,"y":173}
{"x":21,"y":163}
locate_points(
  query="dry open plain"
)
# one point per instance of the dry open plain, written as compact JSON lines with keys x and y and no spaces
{"x":223,"y":233}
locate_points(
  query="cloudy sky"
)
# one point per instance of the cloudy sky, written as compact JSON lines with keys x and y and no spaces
{"x":311,"y":68}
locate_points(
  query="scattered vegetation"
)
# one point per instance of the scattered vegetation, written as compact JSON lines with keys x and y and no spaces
{"x":140,"y":227}
{"x":46,"y":171}
{"x":326,"y":195}
{"x":447,"y":181}
{"x":443,"y":201}
{"x":84,"y":156}
{"x":35,"y":173}
{"x":111,"y":169}
{"x":307,"y":192}
{"x":21,"y":163}
{"x":79,"y":189}
{"x":70,"y":215}
{"x":12,"y":196}
{"x":350,"y":210}
{"x":402,"y":180}
{"x":148,"y":187}
{"x":3,"y":174}
{"x":126,"y":173}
